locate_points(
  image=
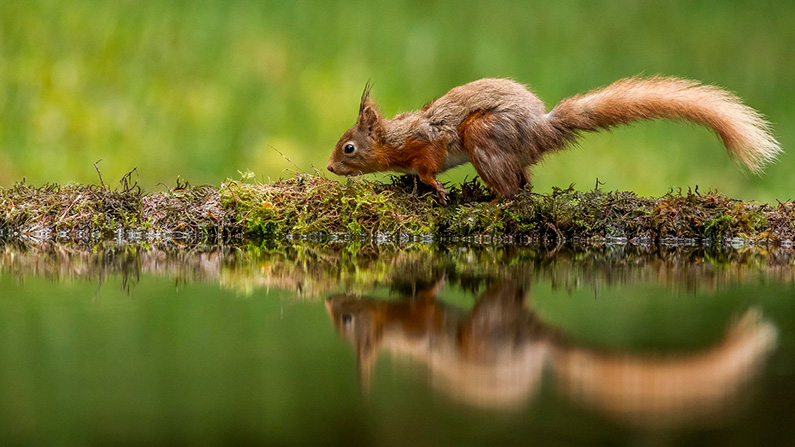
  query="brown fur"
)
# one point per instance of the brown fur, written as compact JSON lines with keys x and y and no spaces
{"x":501,"y":127}
{"x":502,"y":170}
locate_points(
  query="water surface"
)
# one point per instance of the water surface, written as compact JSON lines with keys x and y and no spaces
{"x":430,"y":345}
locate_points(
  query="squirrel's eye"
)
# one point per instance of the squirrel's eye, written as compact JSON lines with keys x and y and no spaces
{"x":349,"y":148}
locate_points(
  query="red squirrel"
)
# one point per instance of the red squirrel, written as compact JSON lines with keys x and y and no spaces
{"x":501,"y":127}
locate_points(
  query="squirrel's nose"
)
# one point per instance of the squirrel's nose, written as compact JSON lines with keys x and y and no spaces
{"x":330,"y":168}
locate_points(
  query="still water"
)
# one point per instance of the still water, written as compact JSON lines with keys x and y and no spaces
{"x":463,"y":345}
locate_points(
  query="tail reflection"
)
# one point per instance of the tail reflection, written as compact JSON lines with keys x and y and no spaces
{"x":494,"y":356}
{"x":673,"y":390}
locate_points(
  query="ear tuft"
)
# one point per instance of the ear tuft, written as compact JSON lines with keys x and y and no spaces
{"x":365,"y":97}
{"x":368,"y":111}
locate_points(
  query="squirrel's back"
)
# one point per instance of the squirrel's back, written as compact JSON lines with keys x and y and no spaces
{"x":490,"y":94}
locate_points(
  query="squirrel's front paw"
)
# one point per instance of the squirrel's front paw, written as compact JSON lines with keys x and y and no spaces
{"x":441,"y":193}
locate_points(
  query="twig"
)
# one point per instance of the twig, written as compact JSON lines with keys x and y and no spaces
{"x":125,"y":181}
{"x":288,"y":160}
{"x":99,"y":173}
{"x":598,"y":184}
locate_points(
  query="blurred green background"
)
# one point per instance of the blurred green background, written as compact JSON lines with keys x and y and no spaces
{"x":203,"y":89}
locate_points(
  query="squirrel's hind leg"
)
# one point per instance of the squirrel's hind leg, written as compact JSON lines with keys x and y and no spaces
{"x":501,"y":171}
{"x":496,"y":163}
{"x":525,"y":181}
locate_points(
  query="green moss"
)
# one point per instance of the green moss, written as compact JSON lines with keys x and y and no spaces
{"x":357,"y":208}
{"x":719,"y":227}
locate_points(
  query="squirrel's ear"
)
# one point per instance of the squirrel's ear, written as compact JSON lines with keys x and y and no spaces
{"x":368,"y":112}
{"x":368,"y":118}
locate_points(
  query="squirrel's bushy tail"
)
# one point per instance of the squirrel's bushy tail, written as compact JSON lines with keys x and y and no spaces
{"x":744,"y":132}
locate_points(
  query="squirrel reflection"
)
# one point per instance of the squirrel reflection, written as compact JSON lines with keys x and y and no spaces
{"x":494,"y":355}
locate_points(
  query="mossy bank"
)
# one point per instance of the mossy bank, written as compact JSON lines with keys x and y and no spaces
{"x":397,"y":211}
